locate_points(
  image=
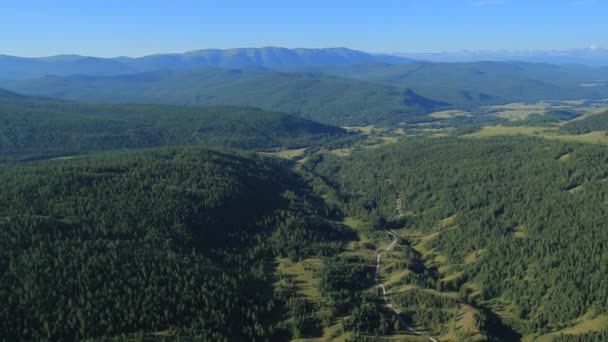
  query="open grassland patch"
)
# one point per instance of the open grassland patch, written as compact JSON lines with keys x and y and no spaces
{"x":465,"y":327}
{"x":286,"y":154}
{"x":399,"y":131}
{"x":597,"y":137}
{"x":518,"y":114}
{"x":447,"y":114}
{"x":302,"y":274}
{"x":521,"y":106}
{"x":585,"y":324}
{"x":473,"y":256}
{"x":587,"y":114}
{"x":492,"y":131}
{"x":447,"y":222}
{"x":341,"y":152}
{"x":371,"y":129}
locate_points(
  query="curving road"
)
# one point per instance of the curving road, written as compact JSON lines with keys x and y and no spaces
{"x":386,"y":300}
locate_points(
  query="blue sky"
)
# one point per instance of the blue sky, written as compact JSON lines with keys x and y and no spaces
{"x":140,"y":27}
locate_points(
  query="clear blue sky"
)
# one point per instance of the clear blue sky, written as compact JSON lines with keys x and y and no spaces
{"x":140,"y":27}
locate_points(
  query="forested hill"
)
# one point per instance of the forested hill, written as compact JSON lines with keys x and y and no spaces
{"x":589,"y":123}
{"x":515,"y":224}
{"x":7,"y":95}
{"x":172,"y":241}
{"x":39,"y":128}
{"x":12,"y":68}
{"x":483,"y":83}
{"x":323,"y":98}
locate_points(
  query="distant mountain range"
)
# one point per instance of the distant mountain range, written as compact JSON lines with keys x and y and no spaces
{"x":593,"y":55}
{"x":357,"y":94}
{"x":468,"y":84}
{"x":332,"y":86}
{"x":16,"y":68}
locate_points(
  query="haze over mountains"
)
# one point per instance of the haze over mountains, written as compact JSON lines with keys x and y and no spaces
{"x":593,"y":55}
{"x":336,"y":86}
{"x":321,"y":97}
{"x":15,"y":68}
{"x":12,"y":68}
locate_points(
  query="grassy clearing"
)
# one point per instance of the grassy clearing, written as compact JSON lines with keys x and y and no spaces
{"x":286,"y":154}
{"x":596,"y":137}
{"x":513,"y":115}
{"x":451,"y":277}
{"x":542,"y":132}
{"x":572,"y":102}
{"x":521,"y":106}
{"x":447,"y":222}
{"x":465,"y":324}
{"x":399,"y":131}
{"x":576,"y":189}
{"x":341,"y":152}
{"x":393,"y":280}
{"x":332,"y":333}
{"x":585,"y":324}
{"x":492,"y":131}
{"x":587,"y":114}
{"x":354,"y":223}
{"x":371,"y":129}
{"x":474,"y":289}
{"x":64,"y":158}
{"x":473,"y":256}
{"x":390,"y":140}
{"x":302,"y":274}
{"x":447,"y":114}
{"x":520,"y":234}
{"x":598,"y":323}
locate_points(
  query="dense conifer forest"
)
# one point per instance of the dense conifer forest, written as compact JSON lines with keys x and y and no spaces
{"x":160,"y":242}
{"x":597,"y":122}
{"x":530,"y":212}
{"x":37,"y":128}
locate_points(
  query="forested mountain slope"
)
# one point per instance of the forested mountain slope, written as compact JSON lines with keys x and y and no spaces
{"x":38,"y":128}
{"x":589,"y":123}
{"x":514,"y":224}
{"x":319,"y":97}
{"x":165,"y":242}
{"x":482,"y":83}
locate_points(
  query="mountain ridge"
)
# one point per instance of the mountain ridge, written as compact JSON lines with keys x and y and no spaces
{"x":15,"y":68}
{"x":323,"y":98}
{"x":35,"y":128}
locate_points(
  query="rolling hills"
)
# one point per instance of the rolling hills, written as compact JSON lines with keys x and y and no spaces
{"x":513,"y":226}
{"x":38,"y":127}
{"x":164,"y":242}
{"x":323,"y":98}
{"x":466,"y":85}
{"x":589,"y":123}
{"x":353,"y":94}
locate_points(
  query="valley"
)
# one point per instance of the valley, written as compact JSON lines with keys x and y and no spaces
{"x":302,"y":195}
